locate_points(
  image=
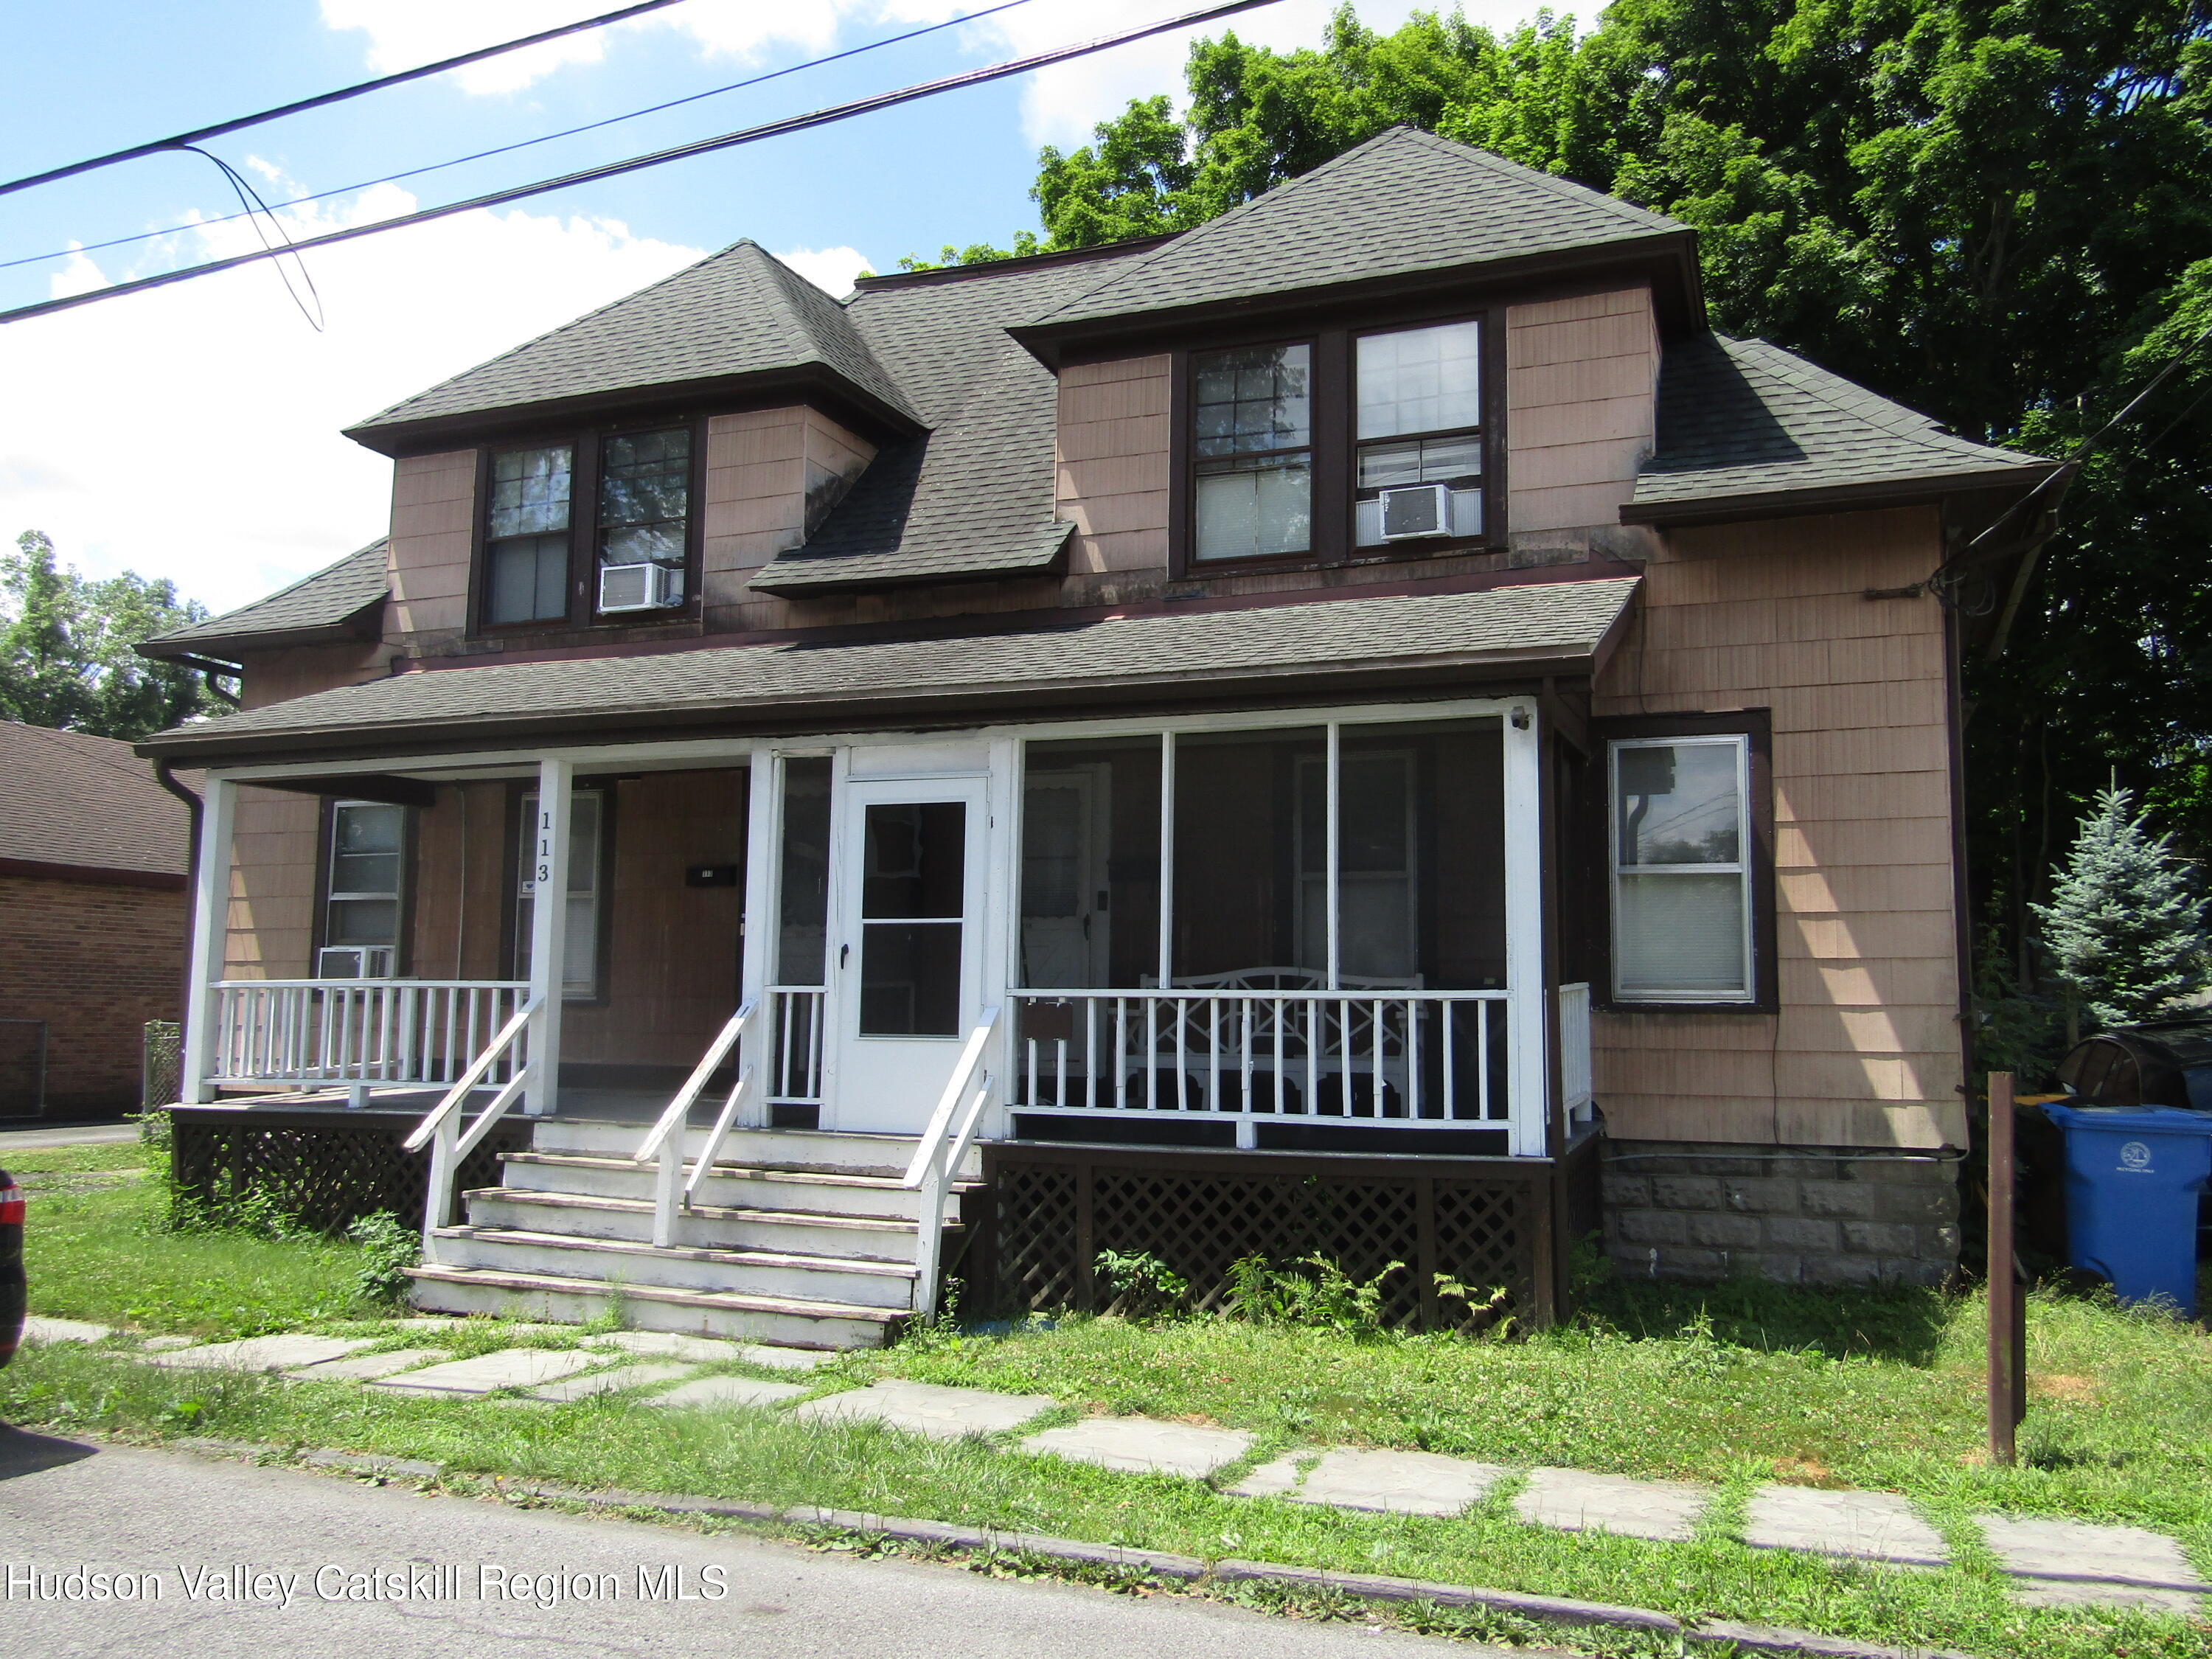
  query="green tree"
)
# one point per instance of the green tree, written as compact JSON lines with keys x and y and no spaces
{"x":68,"y":656}
{"x":2125,"y":927}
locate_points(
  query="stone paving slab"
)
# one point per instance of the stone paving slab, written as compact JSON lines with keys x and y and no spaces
{"x":725,"y":1391}
{"x":784,"y":1360}
{"x":625,"y":1376}
{"x":164,"y":1344}
{"x":1144,"y":1445}
{"x":671,"y":1344}
{"x":1865,"y":1526}
{"x":363,"y":1367}
{"x":505,"y":1368}
{"x":262,"y":1353}
{"x":1396,"y":1482}
{"x":1576,"y":1502}
{"x":940,"y":1412}
{"x":2071,"y":1563}
{"x":38,"y":1331}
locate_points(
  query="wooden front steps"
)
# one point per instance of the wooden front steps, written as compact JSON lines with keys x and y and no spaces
{"x":798,"y":1239}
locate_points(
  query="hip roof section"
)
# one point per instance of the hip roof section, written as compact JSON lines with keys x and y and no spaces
{"x":87,"y":803}
{"x":334,"y":603}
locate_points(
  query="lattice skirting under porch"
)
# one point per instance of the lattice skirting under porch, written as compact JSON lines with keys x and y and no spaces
{"x":328,"y":1169}
{"x":1485,"y":1223}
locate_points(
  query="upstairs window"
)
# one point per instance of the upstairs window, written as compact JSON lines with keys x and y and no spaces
{"x":1680,"y":833}
{"x":1419,"y":428}
{"x":1253,"y":452}
{"x":645,"y":503}
{"x":527,"y":535}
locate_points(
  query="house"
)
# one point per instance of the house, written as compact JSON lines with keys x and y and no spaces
{"x":1348,"y":730}
{"x":93,"y":856}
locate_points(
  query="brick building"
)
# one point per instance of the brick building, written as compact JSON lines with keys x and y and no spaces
{"x":93,"y":853}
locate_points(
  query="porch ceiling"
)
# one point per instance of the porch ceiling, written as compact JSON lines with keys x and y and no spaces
{"x":1327,"y":647}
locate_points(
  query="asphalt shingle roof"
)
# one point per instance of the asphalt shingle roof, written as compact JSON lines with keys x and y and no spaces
{"x":741,"y":311}
{"x":66,"y":797}
{"x":1744,"y":418}
{"x":973,"y":496}
{"x":332,"y":597}
{"x":1405,"y":201}
{"x":1503,"y":627}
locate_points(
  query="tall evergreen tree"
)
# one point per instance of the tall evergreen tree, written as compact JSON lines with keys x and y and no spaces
{"x":2124,"y":928}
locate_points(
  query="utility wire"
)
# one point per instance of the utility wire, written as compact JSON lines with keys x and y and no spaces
{"x":676,"y":153}
{"x":250,"y":198}
{"x":526,"y":143}
{"x":343,"y":93}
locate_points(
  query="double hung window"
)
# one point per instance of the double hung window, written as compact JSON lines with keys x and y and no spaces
{"x":556,"y":514}
{"x":645,"y":501}
{"x":1419,"y":423}
{"x":1254,"y":450}
{"x":362,"y":891}
{"x":1680,"y":815}
{"x":527,"y":535}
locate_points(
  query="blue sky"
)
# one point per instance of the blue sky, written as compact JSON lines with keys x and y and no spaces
{"x":193,"y":433}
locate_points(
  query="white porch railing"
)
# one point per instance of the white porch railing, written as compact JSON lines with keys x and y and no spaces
{"x":384,"y":1033}
{"x":795,"y":1067}
{"x":952,"y":1126}
{"x":506,"y":1054}
{"x":1575,"y":1074}
{"x":671,"y":1194}
{"x":1401,"y":1059}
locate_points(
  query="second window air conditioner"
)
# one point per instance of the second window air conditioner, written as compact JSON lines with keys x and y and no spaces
{"x":1413,"y":511}
{"x":353,"y":962}
{"x":638,"y":587}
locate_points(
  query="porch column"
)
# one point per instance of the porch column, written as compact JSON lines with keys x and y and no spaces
{"x":763,"y":907}
{"x":211,"y":929}
{"x":1526,"y":1024}
{"x":548,"y":930}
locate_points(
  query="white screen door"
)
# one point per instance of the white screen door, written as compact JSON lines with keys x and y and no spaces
{"x":907,"y":966}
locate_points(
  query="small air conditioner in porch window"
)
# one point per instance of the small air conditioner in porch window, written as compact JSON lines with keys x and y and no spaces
{"x":1413,"y":511}
{"x":638,"y":587}
{"x":353,"y":962}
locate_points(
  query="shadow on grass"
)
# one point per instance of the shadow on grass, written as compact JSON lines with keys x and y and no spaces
{"x":1902,"y":1326}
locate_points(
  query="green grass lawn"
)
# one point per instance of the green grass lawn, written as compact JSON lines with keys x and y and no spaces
{"x":1734,"y":1386}
{"x":87,"y":1158}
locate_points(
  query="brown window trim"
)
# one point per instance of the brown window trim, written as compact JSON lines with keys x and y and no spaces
{"x":582,"y":619}
{"x":1336,"y":447}
{"x":1595,"y":925}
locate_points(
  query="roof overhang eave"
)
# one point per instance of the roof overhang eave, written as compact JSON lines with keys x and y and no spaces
{"x":1737,"y":506}
{"x":894,"y":708}
{"x":228,"y":648}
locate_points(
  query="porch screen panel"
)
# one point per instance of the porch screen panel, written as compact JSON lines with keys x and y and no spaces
{"x":580,"y":976}
{"x":913,"y":895}
{"x":803,"y":883}
{"x":1090,"y":864}
{"x":1236,"y":859}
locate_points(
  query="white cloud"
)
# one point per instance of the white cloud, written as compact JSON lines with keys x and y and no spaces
{"x":193,"y":431}
{"x":829,"y":268}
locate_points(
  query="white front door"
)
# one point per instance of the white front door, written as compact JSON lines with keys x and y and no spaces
{"x":908,"y":961}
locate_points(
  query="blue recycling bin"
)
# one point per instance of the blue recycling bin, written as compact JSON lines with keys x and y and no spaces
{"x":2134,"y":1177}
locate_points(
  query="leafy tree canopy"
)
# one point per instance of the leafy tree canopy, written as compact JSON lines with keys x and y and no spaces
{"x":1998,"y":211}
{"x":67,"y":656}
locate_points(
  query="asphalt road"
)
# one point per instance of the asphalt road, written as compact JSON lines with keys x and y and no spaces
{"x":65,"y":1134}
{"x":465,"y":1577}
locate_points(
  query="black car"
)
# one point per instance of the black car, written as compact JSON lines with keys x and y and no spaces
{"x":2165,"y":1063}
{"x":12,"y":1293}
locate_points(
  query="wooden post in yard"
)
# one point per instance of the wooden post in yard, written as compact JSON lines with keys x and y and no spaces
{"x":2007,"y":1309}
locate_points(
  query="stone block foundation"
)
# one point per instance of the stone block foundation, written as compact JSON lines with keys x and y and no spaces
{"x":1794,"y":1215}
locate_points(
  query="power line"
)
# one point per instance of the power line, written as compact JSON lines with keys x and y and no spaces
{"x":340,"y":96}
{"x":656,"y":158}
{"x":526,"y":143}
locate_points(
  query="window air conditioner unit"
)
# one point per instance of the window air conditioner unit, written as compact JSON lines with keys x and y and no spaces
{"x":1413,"y":511}
{"x":353,"y":962}
{"x":637,"y":587}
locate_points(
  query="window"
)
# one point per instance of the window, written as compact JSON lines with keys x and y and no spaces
{"x":1254,"y":448}
{"x":1419,"y":422}
{"x":1680,"y":835}
{"x":580,"y":977}
{"x":361,"y":892}
{"x":558,"y":513}
{"x":645,"y":501}
{"x":526,"y":536}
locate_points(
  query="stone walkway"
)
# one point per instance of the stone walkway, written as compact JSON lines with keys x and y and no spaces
{"x":2053,"y":1562}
